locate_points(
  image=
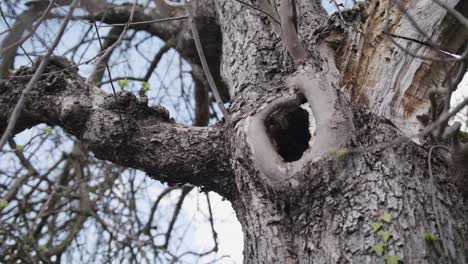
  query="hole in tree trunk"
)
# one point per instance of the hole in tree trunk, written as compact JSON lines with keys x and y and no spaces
{"x":288,"y":129}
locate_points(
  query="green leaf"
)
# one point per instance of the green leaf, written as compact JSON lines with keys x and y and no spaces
{"x":392,"y":259}
{"x":20,"y":148}
{"x":3,"y":204}
{"x":376,"y":226}
{"x":378,"y":249}
{"x":386,"y":217}
{"x":122,"y":83}
{"x":341,"y":153}
{"x":42,"y":249}
{"x":48,"y":130}
{"x":464,"y":136}
{"x":429,"y":236}
{"x":145,"y":86}
{"x":385,"y":235}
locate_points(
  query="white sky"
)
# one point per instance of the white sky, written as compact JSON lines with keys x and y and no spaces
{"x":458,"y":96}
{"x":226,"y":224}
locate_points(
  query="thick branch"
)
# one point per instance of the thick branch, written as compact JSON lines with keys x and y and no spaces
{"x":151,"y":141}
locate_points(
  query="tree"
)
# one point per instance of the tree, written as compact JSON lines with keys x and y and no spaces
{"x":116,"y":214}
{"x":315,"y":150}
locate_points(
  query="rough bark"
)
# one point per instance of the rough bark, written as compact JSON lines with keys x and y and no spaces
{"x":120,"y":129}
{"x":322,"y":212}
{"x":381,"y":76}
{"x":315,"y":207}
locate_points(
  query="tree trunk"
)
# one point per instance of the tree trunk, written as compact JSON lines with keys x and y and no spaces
{"x":308,"y":155}
{"x":341,"y":207}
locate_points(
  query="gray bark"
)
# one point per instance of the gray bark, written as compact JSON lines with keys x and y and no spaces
{"x":323,"y":212}
{"x":318,"y":207}
{"x":125,"y":131}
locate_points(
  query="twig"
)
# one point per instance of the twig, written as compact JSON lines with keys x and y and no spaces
{"x":185,"y":190}
{"x":106,"y":54}
{"x":213,"y":231}
{"x":166,"y":47}
{"x":430,"y":43}
{"x":111,"y":48}
{"x":146,"y":229}
{"x":424,"y":44}
{"x":452,"y":11}
{"x":338,"y":9}
{"x":259,"y":10}
{"x":147,"y":22}
{"x":112,"y":36}
{"x":95,"y":72}
{"x":442,"y":118}
{"x":441,"y":57}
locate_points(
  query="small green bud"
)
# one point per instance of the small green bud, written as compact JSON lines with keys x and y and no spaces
{"x":122,"y":83}
{"x":429,"y":236}
{"x":42,"y":248}
{"x":341,"y":153}
{"x":3,"y":204}
{"x":392,"y":259}
{"x":378,"y":249}
{"x":145,"y":86}
{"x":48,"y":130}
{"x":385,"y":235}
{"x":387,"y":218}
{"x":376,"y":226}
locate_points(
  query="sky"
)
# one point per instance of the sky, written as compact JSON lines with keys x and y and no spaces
{"x":458,"y":96}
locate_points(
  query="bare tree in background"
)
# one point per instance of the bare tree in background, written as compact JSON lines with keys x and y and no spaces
{"x":334,"y":147}
{"x":59,"y":203}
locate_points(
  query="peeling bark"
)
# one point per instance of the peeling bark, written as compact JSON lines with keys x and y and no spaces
{"x":378,"y":74}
